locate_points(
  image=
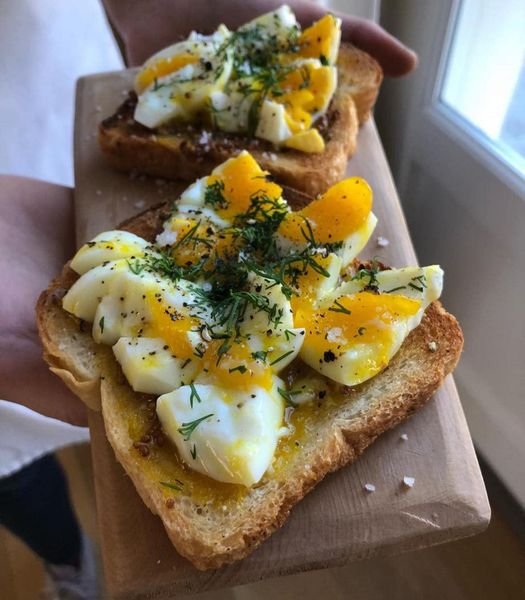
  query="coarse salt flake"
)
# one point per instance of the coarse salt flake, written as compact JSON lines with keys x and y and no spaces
{"x":204,"y":138}
{"x":409,"y":481}
{"x":382,"y":242}
{"x":370,"y":487}
{"x":334,"y":334}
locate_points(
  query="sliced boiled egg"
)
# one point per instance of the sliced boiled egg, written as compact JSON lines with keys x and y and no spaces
{"x":321,"y":40}
{"x":84,"y":295}
{"x":230,"y":189}
{"x":176,"y":83}
{"x":309,"y":141}
{"x":108,"y":246}
{"x":313,"y":285}
{"x":273,"y":124}
{"x":227,"y":434}
{"x":149,"y":365}
{"x":264,"y":285}
{"x":276,"y":24}
{"x":340,"y":219}
{"x":266,"y":79}
{"x":356,"y":332}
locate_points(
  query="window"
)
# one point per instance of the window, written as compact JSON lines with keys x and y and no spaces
{"x":484,"y":79}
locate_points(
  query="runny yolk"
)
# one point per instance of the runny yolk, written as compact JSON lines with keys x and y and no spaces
{"x":306,"y":90}
{"x":317,"y":40}
{"x":171,"y":327}
{"x":162,"y":67}
{"x":236,"y":368}
{"x":338,"y":213}
{"x":193,"y":240}
{"x":363,"y":318}
{"x":243,"y":179}
{"x":308,"y":284}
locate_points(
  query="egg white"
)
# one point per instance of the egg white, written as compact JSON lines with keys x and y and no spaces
{"x":236,"y":443}
{"x":185,"y":92}
{"x":421,"y":284}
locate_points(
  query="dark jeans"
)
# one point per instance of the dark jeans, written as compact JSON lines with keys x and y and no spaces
{"x":35,"y":506}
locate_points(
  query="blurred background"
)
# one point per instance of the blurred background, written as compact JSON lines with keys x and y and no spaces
{"x":454,"y":134}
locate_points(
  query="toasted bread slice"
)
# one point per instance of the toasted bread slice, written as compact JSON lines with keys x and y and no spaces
{"x":189,"y":153}
{"x":213,"y":524}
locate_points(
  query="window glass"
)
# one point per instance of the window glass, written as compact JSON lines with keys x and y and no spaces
{"x":484,"y":79}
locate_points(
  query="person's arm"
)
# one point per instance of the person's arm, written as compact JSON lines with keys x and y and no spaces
{"x":145,"y":27}
{"x":36,"y":239}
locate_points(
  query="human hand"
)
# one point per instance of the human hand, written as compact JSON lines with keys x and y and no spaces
{"x":36,"y":239}
{"x":145,"y":28}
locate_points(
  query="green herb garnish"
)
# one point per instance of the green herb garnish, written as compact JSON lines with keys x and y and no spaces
{"x":213,"y":195}
{"x":194,"y":396}
{"x":340,"y":308}
{"x":173,"y":486}
{"x":187,"y":429}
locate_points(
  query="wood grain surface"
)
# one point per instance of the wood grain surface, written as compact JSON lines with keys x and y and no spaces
{"x":339,"y":521}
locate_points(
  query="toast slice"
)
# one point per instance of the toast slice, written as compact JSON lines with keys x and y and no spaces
{"x":188,"y":153}
{"x":210,"y":523}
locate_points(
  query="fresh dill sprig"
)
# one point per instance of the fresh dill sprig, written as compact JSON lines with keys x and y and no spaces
{"x":363,"y":274}
{"x":287,"y":395}
{"x":194,"y":395}
{"x":213,"y":195}
{"x":191,"y":237}
{"x":278,"y":359}
{"x":256,"y":59}
{"x":173,"y":486}
{"x":187,"y":429}
{"x":421,"y":279}
{"x":340,"y":308}
{"x":260,"y":355}
{"x":136,"y":266}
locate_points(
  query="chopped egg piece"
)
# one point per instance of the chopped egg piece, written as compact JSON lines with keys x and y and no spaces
{"x":341,"y":218}
{"x":228,"y":435}
{"x":149,"y":365}
{"x":321,"y":40}
{"x":370,"y":326}
{"x":108,"y":246}
{"x":176,"y":83}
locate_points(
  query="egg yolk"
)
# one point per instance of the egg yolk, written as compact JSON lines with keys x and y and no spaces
{"x":243,"y":179}
{"x":161,"y":68}
{"x":316,"y":41}
{"x":172,"y":327}
{"x":194,"y":239}
{"x":307,"y":284}
{"x":236,"y":368}
{"x":340,"y":211}
{"x":304,"y":91}
{"x":363,"y":318}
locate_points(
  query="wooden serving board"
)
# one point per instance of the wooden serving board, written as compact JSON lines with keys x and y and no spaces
{"x":339,"y":521}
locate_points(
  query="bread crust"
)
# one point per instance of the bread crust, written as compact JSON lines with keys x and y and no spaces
{"x":186,"y":154}
{"x":214,"y":538}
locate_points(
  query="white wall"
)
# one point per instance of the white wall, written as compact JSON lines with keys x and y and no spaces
{"x":45,"y":45}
